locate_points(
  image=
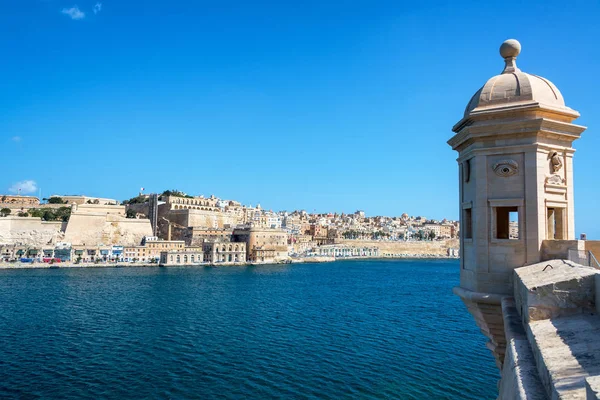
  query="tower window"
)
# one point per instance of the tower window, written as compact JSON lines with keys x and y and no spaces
{"x":507,"y":223}
{"x":556,"y":223}
{"x":467,"y":223}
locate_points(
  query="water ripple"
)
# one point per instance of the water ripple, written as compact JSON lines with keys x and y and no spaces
{"x":346,"y":330}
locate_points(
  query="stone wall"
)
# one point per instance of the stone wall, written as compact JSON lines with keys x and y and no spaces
{"x":436,"y":248}
{"x":199,"y":218}
{"x":98,"y":209}
{"x":30,"y":231}
{"x":559,"y":249}
{"x":91,"y":229}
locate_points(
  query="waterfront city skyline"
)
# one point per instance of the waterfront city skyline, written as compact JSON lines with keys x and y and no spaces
{"x":327,"y":107}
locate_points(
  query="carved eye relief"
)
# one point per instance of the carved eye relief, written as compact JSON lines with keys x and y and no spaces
{"x":506,"y":168}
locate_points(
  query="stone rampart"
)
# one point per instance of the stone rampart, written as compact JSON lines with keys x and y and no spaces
{"x":29,"y":231}
{"x":91,"y":229}
{"x":99,"y":209}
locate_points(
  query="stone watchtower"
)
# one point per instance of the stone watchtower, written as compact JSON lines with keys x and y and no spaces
{"x":515,"y":160}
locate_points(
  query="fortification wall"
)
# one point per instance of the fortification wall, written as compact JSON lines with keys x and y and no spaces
{"x":17,"y":207}
{"x":96,"y":228}
{"x":29,"y":231}
{"x":419,"y":248}
{"x":200,"y":218}
{"x":99,"y":209}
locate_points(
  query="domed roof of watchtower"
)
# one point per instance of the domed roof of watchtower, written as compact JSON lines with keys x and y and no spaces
{"x":514,"y":87}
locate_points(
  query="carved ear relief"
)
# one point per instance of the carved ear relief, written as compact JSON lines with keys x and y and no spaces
{"x":506,"y":168}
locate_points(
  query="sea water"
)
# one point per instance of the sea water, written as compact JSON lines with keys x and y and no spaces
{"x":368,"y":329}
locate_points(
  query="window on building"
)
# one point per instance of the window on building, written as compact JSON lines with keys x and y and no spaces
{"x":556,"y":218}
{"x":507,"y":222}
{"x":467,"y":223}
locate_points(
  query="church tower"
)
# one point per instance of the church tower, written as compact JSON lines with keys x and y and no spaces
{"x":515,"y":160}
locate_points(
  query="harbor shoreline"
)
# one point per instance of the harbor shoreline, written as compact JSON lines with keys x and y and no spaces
{"x":19,"y":265}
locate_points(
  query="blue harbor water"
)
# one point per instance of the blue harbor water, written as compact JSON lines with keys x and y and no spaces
{"x":343,"y":330}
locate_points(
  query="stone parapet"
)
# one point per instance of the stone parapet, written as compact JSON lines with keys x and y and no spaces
{"x":555,"y":288}
{"x":519,"y":373}
{"x":559,"y":249}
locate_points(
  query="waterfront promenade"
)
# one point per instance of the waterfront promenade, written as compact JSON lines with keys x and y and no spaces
{"x":315,"y":259}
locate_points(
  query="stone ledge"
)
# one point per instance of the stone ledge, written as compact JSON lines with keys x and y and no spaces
{"x":478,"y":297}
{"x":567,"y":351}
{"x":520,"y":378}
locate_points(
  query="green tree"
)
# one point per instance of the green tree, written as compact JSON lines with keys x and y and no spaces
{"x":431,"y":235}
{"x":5,"y":211}
{"x":130,"y":214}
{"x":63,"y":214}
{"x":56,"y":200}
{"x":36,"y":212}
{"x":22,"y":214}
{"x":48,"y":214}
{"x":175,"y":192}
{"x":135,"y":200}
{"x":51,"y":214}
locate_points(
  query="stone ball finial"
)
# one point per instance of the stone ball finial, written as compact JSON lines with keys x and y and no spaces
{"x":510,"y":48}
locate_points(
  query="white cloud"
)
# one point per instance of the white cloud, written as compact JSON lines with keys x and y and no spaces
{"x":97,"y":7}
{"x":26,"y":187}
{"x":16,"y":139}
{"x":74,"y":12}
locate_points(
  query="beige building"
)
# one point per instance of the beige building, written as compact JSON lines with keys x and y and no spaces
{"x":197,"y":235}
{"x":151,"y":249}
{"x":224,"y":252}
{"x":18,"y":202}
{"x":342,"y":251}
{"x":185,"y":256}
{"x":191,"y":203}
{"x":196,"y":212}
{"x":87,"y":200}
{"x":263,"y":244}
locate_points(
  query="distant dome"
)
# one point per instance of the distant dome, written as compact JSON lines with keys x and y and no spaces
{"x":514,"y":86}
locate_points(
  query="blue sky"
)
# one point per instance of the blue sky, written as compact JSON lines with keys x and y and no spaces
{"x":316,"y":105}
